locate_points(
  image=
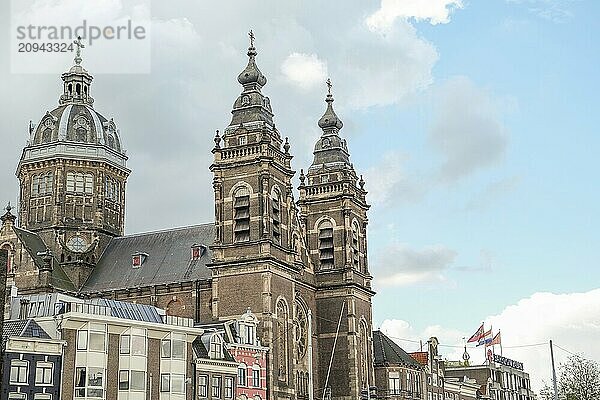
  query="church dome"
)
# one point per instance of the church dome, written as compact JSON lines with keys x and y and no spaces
{"x":76,"y":122}
{"x":75,"y":119}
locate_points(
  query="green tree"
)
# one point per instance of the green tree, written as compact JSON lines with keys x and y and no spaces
{"x":579,"y":379}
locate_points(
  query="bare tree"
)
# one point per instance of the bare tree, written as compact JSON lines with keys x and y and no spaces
{"x":579,"y":379}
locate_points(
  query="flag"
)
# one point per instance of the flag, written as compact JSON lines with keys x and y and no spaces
{"x":495,"y":340}
{"x":477,"y":335}
{"x":485,"y":338}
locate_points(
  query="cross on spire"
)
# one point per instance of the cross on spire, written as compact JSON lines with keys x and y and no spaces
{"x":80,"y":46}
{"x":329,"y":85}
{"x":251,"y":36}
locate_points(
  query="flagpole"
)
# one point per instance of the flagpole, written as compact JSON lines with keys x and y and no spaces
{"x":500,"y":344}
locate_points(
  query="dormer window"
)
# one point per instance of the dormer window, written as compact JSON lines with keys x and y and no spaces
{"x":243,"y":140}
{"x":216,"y":347}
{"x":197,"y":251}
{"x":138,"y":259}
{"x":324,"y":178}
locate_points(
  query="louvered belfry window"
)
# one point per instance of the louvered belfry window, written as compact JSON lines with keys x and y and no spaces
{"x":276,"y":212}
{"x":241,"y":215}
{"x":355,"y":246}
{"x":326,"y":245}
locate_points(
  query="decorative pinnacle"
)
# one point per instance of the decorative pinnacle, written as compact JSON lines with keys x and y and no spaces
{"x":80,"y":46}
{"x":329,"y":86}
{"x":217,"y":140}
{"x":286,"y":146}
{"x":8,"y":207}
{"x":251,"y":36}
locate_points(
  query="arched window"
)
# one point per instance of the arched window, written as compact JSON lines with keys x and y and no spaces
{"x":256,"y":375}
{"x":80,"y":183}
{"x":355,"y":245}
{"x":35,"y":185}
{"x":174,"y":307}
{"x":241,"y":215}
{"x":282,"y":340}
{"x":326,"y":259}
{"x":301,"y":331}
{"x":47,"y":135}
{"x":242,"y":375}
{"x":363,"y":354}
{"x":81,"y":134}
{"x":276,"y":215}
{"x":216,"y":347}
{"x":78,"y":89}
{"x":6,"y":247}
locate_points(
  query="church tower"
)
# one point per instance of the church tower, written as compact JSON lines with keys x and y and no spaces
{"x":258,"y":254}
{"x":334,"y":213}
{"x":72,"y":177}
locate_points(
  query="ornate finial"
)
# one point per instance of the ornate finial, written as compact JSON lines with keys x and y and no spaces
{"x":8,"y":215}
{"x":217,"y":140}
{"x":302,"y":177}
{"x":329,"y":86}
{"x":361,"y":183}
{"x":30,"y":127}
{"x":286,"y":146}
{"x":251,"y":36}
{"x":80,"y":46}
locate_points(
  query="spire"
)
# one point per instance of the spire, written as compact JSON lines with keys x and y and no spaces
{"x":329,"y":122}
{"x":77,"y":81}
{"x":251,"y":105}
{"x":330,"y":148}
{"x":251,"y":77}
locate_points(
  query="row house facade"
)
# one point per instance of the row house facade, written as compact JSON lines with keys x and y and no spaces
{"x":118,"y":350}
{"x":31,"y":362}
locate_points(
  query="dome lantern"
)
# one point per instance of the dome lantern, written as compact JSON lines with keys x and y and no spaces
{"x":77,"y":81}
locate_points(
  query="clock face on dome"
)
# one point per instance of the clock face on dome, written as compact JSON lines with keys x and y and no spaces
{"x":77,"y":244}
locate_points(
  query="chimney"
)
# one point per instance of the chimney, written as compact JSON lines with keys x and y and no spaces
{"x":45,"y":276}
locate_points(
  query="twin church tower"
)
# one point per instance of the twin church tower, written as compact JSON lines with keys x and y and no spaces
{"x":299,"y":265}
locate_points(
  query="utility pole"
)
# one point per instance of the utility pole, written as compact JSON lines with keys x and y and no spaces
{"x":553,"y":372}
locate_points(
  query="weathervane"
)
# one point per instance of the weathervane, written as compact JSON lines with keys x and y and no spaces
{"x":329,"y":85}
{"x":251,"y":35}
{"x":80,"y":46}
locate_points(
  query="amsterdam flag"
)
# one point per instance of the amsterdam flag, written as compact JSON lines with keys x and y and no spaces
{"x":477,"y":335}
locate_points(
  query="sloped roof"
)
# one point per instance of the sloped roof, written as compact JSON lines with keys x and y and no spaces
{"x":34,"y":245}
{"x":22,"y":328}
{"x":422,"y":357}
{"x":134,"y":311}
{"x":387,"y":352}
{"x":167,"y":259}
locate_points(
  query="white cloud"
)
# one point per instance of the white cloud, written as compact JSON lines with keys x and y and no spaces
{"x":467,"y":129}
{"x":433,"y":11}
{"x":557,"y":11}
{"x":399,"y":264}
{"x":389,"y":182}
{"x":571,"y":320}
{"x":304,"y":70}
{"x":168,"y":117}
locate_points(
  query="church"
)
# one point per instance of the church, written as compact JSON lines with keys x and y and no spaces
{"x":299,"y":264}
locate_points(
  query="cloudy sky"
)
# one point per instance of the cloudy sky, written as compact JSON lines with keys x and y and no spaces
{"x":473,"y":122}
